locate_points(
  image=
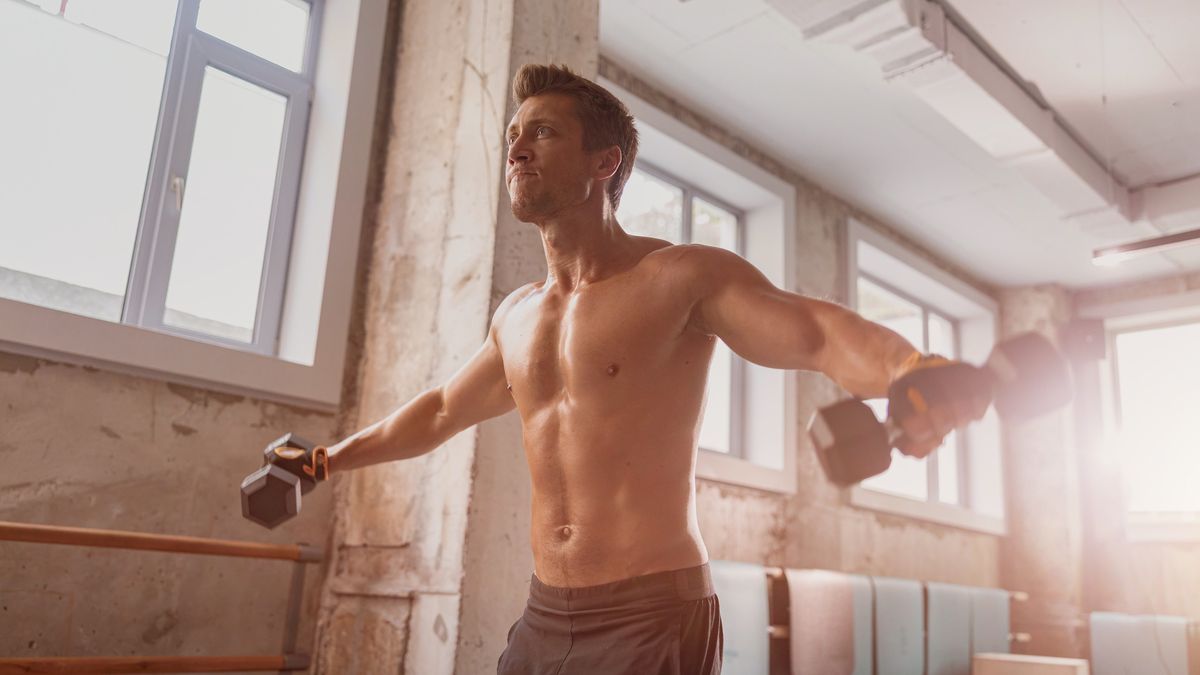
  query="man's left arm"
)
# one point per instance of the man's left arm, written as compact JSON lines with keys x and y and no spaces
{"x":779,"y":329}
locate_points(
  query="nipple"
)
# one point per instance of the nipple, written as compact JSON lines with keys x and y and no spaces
{"x":508,"y":387}
{"x":613,"y":369}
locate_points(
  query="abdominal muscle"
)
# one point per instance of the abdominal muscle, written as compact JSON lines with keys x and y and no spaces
{"x":609,"y":506}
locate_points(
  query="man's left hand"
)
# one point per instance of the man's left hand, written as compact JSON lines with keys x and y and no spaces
{"x":932,"y":397}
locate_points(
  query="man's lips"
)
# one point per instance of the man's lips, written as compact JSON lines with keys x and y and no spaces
{"x":523,"y":172}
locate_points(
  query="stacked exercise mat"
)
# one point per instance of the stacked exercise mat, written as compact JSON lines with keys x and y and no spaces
{"x":846,"y":624}
{"x":819,"y":622}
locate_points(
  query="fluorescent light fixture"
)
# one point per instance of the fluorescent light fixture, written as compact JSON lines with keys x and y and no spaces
{"x":1112,"y":255}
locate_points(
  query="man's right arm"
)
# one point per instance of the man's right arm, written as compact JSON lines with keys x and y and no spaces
{"x":478,"y":391}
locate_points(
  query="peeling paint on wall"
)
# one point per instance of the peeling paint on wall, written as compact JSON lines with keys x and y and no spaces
{"x":89,"y":448}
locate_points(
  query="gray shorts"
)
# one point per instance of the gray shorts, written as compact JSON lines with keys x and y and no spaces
{"x":666,"y":623}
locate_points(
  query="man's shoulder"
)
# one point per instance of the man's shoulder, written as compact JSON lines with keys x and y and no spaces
{"x":693,"y":260}
{"x":517,"y":295}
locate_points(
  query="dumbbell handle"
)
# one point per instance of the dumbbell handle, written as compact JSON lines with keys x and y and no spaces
{"x":315,"y":465}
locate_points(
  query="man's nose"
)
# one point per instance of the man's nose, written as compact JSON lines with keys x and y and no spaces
{"x":518,"y":151}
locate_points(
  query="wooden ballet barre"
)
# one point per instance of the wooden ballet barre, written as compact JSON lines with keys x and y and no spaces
{"x":153,"y":664}
{"x":79,"y":536}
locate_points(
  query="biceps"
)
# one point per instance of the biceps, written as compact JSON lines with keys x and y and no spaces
{"x":478,"y":391}
{"x":766,"y":325}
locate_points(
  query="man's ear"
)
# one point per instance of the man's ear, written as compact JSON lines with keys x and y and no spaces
{"x":609,"y":162}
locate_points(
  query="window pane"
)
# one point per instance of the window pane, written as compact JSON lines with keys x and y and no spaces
{"x":713,"y":225}
{"x":76,"y":129}
{"x":947,"y":467}
{"x":714,"y":430}
{"x":143,"y":23}
{"x":218,"y":259}
{"x":1159,"y":446}
{"x":272,"y":29}
{"x":880,"y":305}
{"x":942,"y":341}
{"x":652,"y":208}
{"x":906,"y":476}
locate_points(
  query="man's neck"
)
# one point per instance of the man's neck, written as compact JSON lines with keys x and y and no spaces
{"x":583,"y":246}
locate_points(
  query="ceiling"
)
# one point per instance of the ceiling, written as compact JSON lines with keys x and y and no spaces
{"x":1123,"y":75}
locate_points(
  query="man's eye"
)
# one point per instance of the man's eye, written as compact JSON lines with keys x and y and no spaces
{"x":542,"y":131}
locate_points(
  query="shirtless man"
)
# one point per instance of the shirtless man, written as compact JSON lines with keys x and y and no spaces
{"x":605,"y":360}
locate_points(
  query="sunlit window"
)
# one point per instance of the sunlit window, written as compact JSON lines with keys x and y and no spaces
{"x":151,"y":160}
{"x":936,"y":477}
{"x":1157,"y":393}
{"x":654,"y":204}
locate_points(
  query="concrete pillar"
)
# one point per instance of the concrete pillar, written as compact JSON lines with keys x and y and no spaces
{"x":431,"y":556}
{"x":1043,"y":552}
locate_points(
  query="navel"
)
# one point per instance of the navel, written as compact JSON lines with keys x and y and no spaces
{"x":565,"y":532}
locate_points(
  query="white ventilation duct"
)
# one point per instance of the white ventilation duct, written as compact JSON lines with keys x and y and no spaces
{"x":914,"y":42}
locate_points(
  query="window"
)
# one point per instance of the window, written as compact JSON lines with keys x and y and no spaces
{"x":960,"y":484}
{"x":103,"y":253}
{"x":151,"y":175}
{"x":1157,"y":442}
{"x":687,"y":187}
{"x":655,"y":204}
{"x":934,"y":478}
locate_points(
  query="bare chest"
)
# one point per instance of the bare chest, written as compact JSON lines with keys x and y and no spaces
{"x":595,"y":343}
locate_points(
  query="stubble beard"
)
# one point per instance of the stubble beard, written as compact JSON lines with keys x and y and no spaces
{"x":529,"y":206}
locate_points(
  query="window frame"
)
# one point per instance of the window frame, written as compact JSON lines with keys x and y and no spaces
{"x":968,"y":514}
{"x":192,"y":51}
{"x":308,"y":368}
{"x":737,"y":370}
{"x":1132,"y":317}
{"x":932,"y":461}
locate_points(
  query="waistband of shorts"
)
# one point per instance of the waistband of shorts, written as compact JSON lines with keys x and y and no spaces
{"x":690,"y":583}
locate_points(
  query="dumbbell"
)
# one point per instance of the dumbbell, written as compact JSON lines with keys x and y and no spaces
{"x":1024,"y":376}
{"x":291,"y":467}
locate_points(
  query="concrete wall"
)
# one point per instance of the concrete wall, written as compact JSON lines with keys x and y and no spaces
{"x":1043,"y":553}
{"x":1068,"y":546}
{"x":86,"y":448}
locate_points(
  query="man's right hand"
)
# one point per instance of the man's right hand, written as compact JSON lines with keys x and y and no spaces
{"x":305,"y":459}
{"x":291,"y":467}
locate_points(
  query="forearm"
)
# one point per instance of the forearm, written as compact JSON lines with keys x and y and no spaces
{"x":410,"y":431}
{"x":861,"y":356}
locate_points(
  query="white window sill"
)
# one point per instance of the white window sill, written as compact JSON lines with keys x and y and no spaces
{"x":942,"y":514}
{"x":1162,"y":528}
{"x":70,"y":338}
{"x":722,"y":468}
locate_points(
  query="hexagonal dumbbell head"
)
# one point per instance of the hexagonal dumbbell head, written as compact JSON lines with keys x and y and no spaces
{"x":850,"y":441}
{"x":270,"y":496}
{"x":1031,"y":377}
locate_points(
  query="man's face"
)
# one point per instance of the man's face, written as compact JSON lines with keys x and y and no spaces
{"x":548,"y":170}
